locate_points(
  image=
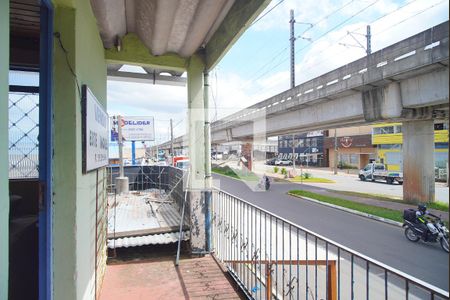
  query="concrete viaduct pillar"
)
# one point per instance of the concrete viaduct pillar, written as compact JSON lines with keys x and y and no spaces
{"x":199,"y":150}
{"x":247,"y":154}
{"x":418,"y":161}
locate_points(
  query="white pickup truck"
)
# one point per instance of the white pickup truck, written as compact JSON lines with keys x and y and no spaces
{"x":374,"y":171}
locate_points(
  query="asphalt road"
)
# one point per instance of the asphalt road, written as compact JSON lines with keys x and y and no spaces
{"x":382,"y":242}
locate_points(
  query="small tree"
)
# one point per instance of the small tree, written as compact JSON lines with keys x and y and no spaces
{"x":283,"y":171}
{"x":275,"y":169}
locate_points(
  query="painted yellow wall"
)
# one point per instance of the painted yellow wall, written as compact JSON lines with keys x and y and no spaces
{"x":4,"y":195}
{"x":440,"y":136}
{"x":74,"y":193}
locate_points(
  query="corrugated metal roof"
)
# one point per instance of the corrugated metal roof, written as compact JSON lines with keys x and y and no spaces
{"x":180,"y":27}
{"x":154,"y":239}
{"x":134,"y":216}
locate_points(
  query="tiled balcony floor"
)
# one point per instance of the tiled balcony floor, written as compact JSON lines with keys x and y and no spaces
{"x":158,"y":278}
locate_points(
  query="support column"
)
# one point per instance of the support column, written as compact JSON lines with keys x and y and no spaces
{"x":208,"y":178}
{"x":247,"y":153}
{"x":418,"y":161}
{"x":196,"y":185}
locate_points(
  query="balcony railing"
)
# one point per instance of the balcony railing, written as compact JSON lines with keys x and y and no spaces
{"x":272,"y":258}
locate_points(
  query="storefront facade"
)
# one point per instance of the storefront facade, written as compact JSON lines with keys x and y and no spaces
{"x":352,"y":146}
{"x":307,"y":148}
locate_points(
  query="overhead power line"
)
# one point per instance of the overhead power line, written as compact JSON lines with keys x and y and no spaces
{"x":338,"y":25}
{"x":266,"y":13}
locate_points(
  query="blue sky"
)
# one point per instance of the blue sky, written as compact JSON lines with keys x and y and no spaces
{"x":257,"y":66}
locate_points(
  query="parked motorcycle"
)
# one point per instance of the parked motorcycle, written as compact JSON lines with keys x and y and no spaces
{"x":414,"y":233}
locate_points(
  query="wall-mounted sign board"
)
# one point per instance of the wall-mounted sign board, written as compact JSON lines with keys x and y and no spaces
{"x":95,"y":132}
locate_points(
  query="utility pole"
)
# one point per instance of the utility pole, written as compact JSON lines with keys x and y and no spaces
{"x":171,"y":138}
{"x":293,"y":152}
{"x":121,"y":181}
{"x":120,"y":141}
{"x":335,"y":152}
{"x":292,"y":39}
{"x":368,"y":37}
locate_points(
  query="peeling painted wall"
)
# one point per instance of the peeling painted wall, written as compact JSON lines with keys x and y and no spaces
{"x":74,"y":193}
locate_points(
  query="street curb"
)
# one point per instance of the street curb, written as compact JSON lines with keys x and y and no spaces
{"x":376,"y":218}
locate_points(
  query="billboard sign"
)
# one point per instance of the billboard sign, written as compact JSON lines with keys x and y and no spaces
{"x":94,"y":131}
{"x":133,"y":128}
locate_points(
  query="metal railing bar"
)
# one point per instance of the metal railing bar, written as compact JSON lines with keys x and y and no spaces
{"x":418,"y":282}
{"x":406,"y":290}
{"x":265,"y":256}
{"x":326,"y":270}
{"x":270,"y":255}
{"x":315,"y":267}
{"x":249,"y":277}
{"x":290,"y":261}
{"x":298,"y":267}
{"x":282,"y":255}
{"x":386,"y":285}
{"x":306,"y":251}
{"x":241,"y":229}
{"x":339,"y":273}
{"x":352,"y":281}
{"x":276,"y":254}
{"x":367,"y":279}
{"x":260,"y":251}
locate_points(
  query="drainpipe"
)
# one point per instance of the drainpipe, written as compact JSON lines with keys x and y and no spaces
{"x":207,"y":149}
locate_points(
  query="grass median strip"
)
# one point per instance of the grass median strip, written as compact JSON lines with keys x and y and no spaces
{"x":386,"y":213}
{"x":311,"y":180}
{"x":442,"y":206}
{"x":227,"y":171}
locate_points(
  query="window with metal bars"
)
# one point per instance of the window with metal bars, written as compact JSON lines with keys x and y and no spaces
{"x":23,"y":125}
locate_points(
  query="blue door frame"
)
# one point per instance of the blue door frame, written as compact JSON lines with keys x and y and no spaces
{"x":45,"y":151}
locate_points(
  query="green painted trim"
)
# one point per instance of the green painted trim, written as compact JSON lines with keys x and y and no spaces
{"x":239,"y":18}
{"x":134,"y":52}
{"x":64,"y":3}
{"x":4,"y":189}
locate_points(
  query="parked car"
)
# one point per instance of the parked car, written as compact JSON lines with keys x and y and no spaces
{"x":374,"y":171}
{"x":283,"y":162}
{"x":271,"y":162}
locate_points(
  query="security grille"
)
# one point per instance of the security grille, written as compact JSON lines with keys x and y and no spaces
{"x":23,"y":135}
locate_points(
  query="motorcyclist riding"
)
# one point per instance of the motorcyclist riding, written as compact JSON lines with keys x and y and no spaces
{"x":264,"y":183}
{"x":426,"y":226}
{"x":267,"y":183}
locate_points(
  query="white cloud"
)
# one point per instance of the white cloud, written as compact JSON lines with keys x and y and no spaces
{"x":162,"y":102}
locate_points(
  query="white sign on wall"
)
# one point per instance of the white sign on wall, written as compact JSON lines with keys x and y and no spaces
{"x":95,"y":132}
{"x":133,"y":129}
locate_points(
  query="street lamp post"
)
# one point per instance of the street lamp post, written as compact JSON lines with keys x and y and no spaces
{"x":301,"y":164}
{"x":293,"y":153}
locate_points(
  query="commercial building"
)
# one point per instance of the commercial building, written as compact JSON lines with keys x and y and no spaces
{"x":307,"y":148}
{"x":388,"y":139}
{"x":353,"y":146}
